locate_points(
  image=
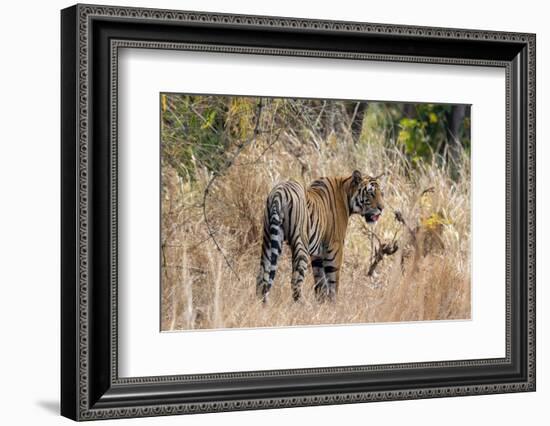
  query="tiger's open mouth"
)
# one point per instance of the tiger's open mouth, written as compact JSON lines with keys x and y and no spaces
{"x":372,"y":217}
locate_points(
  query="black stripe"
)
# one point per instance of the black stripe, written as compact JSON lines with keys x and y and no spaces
{"x":275,"y":244}
{"x":290,"y":210}
{"x":317,"y":263}
{"x":330,"y":259}
{"x":313,"y":230}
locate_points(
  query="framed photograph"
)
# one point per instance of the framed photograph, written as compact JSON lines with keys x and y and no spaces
{"x":263,"y":212}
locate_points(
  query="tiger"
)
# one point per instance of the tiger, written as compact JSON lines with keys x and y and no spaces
{"x":313,"y":222}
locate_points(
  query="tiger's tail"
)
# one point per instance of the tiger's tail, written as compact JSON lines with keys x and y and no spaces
{"x":272,"y":244}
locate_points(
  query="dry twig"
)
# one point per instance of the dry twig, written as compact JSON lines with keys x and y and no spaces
{"x":383,"y":249}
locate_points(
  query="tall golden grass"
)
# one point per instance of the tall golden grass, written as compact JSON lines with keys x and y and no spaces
{"x":428,"y":278}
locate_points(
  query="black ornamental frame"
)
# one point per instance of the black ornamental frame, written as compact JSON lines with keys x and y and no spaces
{"x":91,"y":37}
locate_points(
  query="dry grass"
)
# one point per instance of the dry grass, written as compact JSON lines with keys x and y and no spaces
{"x":428,"y":278}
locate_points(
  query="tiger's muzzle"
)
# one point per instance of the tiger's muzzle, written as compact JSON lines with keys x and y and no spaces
{"x":372,"y":215}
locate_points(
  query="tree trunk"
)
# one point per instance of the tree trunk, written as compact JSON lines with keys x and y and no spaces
{"x":357,"y":115}
{"x":330,"y":112}
{"x":455,"y":118}
{"x":409,"y":110}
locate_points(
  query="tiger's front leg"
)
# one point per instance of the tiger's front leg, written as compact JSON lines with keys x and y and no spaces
{"x":332,"y":263}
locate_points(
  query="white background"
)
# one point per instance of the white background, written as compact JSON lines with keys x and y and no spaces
{"x":29,"y":213}
{"x":146,"y":352}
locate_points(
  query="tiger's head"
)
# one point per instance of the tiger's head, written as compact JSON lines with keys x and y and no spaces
{"x":366,"y":197}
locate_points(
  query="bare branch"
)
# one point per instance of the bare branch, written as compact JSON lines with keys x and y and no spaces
{"x":385,"y":249}
{"x":268,"y":147}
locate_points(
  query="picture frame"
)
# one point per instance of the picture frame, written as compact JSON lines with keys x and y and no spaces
{"x":90,"y":384}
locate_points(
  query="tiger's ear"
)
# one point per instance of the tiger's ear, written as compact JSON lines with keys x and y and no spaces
{"x":357,"y":177}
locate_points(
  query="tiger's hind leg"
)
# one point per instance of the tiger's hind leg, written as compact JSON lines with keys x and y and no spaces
{"x":300,"y":257}
{"x":321,"y":285}
{"x":332,"y":263}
